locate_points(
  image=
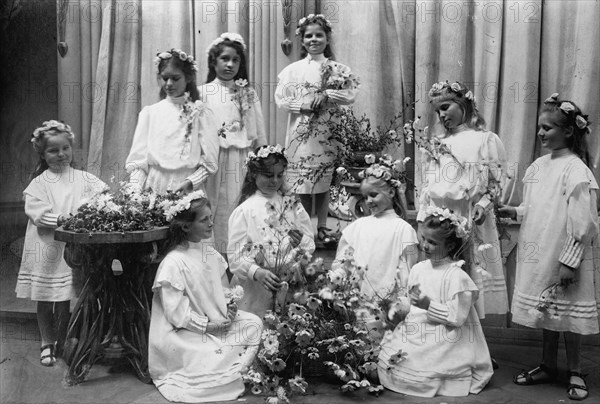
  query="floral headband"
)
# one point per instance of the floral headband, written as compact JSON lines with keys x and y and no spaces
{"x":51,"y":125}
{"x":178,"y":53}
{"x":230,"y":36}
{"x":311,"y":19}
{"x":183,"y":204}
{"x":460,"y":223}
{"x":392,"y":172}
{"x":568,"y":107}
{"x":265,"y":152}
{"x":444,"y":86}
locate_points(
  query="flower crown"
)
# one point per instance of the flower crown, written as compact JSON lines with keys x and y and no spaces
{"x":392,"y":172}
{"x":445,"y":87}
{"x":264,"y":152}
{"x":231,"y":36}
{"x":567,"y":107}
{"x":184,"y":57}
{"x":460,"y":223}
{"x":183,"y":204}
{"x":311,"y":19}
{"x":50,"y":125}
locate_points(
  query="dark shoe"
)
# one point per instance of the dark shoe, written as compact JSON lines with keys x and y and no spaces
{"x":48,"y":355}
{"x":571,"y":390}
{"x":325,"y":238}
{"x":540,"y":375}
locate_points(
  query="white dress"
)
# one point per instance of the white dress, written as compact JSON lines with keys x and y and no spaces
{"x":445,"y":350}
{"x":559,"y":225}
{"x":448,"y":185}
{"x":378,"y":243}
{"x":186,"y":363}
{"x":170,"y":146}
{"x":296,"y":85}
{"x":236,"y":137}
{"x":44,"y":275}
{"x":247,"y":225}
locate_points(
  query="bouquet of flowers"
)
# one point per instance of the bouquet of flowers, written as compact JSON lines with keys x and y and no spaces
{"x":243,"y":98}
{"x":335,"y":76}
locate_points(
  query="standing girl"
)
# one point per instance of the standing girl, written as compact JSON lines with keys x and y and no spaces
{"x":175,"y":144}
{"x":262,"y":194}
{"x":555,"y":287}
{"x":307,"y":89}
{"x":199,"y":343}
{"x":466,"y":177}
{"x":440,"y":348}
{"x":55,"y":192}
{"x":383,"y":242}
{"x":240,"y":125}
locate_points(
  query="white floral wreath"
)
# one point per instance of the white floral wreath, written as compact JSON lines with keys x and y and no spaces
{"x":310,"y":19}
{"x":460,"y":223}
{"x":184,"y":57}
{"x":455,"y":87}
{"x":49,"y":125}
{"x":567,"y":107}
{"x":183,"y":204}
{"x":264,"y":152}
{"x":231,"y":36}
{"x":390,"y":171}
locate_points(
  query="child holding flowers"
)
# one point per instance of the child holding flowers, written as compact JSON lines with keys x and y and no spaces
{"x":239,"y":123}
{"x":440,"y":348}
{"x":464,"y":172}
{"x":175,"y":143}
{"x":54,"y":193}
{"x":555,"y":287}
{"x":308,"y":89}
{"x":200,"y":344}
{"x":267,"y":230}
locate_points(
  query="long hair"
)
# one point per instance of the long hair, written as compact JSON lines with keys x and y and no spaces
{"x":457,"y":247}
{"x":382,"y":185}
{"x":214,"y":53}
{"x":324,"y":24}
{"x":40,"y":140}
{"x":177,"y":235}
{"x":577,"y":142}
{"x":465,"y":100}
{"x":258,"y":166}
{"x":188,"y":71}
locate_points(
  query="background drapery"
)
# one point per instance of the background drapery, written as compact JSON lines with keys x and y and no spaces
{"x":513,"y":54}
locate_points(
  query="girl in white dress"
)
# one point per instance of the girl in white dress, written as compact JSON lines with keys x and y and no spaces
{"x":468,"y":181}
{"x":55,"y":191}
{"x":556,"y":285}
{"x":439,"y":349}
{"x":199,"y":344}
{"x":175,"y":144}
{"x":240,"y":125}
{"x":263,"y":194}
{"x":301,"y":91}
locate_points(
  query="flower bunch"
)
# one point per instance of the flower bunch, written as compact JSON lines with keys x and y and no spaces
{"x":312,"y":19}
{"x":430,"y":145}
{"x":460,"y":223}
{"x":234,"y":294}
{"x":229,"y":36}
{"x":127,"y":209}
{"x":546,"y":305}
{"x":178,"y":53}
{"x":335,"y":76}
{"x":189,"y":111}
{"x":264,"y":152}
{"x":172,"y":208}
{"x":444,"y":87}
{"x":567,"y":107}
{"x":391,"y":171}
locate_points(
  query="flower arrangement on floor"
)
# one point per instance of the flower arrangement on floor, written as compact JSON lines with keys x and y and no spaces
{"x":323,"y":330}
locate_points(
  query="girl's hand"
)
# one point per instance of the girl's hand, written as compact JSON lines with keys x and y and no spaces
{"x":268,"y":279}
{"x":186,"y":187}
{"x":232,"y":310}
{"x":295,"y":237}
{"x":414,"y":295}
{"x":507,"y":211}
{"x":478,"y":215}
{"x":566,"y":275}
{"x":319,"y":101}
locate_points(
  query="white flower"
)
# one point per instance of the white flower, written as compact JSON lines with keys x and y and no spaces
{"x":469,"y":96}
{"x":455,"y":87}
{"x":483,"y":247}
{"x":241,"y":82}
{"x":183,"y":56}
{"x":406,"y":160}
{"x":567,"y":107}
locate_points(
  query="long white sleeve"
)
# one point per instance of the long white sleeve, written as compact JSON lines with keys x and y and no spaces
{"x":176,"y":307}
{"x":454,"y":312}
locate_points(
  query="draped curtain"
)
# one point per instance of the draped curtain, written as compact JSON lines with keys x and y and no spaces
{"x":513,"y":54}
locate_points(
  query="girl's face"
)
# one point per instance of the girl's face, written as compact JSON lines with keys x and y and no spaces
{"x":173,"y":80}
{"x":227,"y":64}
{"x":201,"y":227}
{"x":315,"y":39}
{"x":378,"y":198}
{"x":450,"y":113}
{"x":432,"y":244}
{"x":270,"y":182}
{"x":551,"y":134}
{"x":58,"y":152}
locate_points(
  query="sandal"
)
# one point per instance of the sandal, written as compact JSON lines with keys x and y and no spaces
{"x":571,"y":392}
{"x":324,"y":237}
{"x":48,"y":358}
{"x":539,"y":375}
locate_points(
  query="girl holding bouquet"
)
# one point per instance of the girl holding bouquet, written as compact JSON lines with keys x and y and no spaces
{"x":199,"y":343}
{"x":267,"y":231}
{"x":307,"y":89}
